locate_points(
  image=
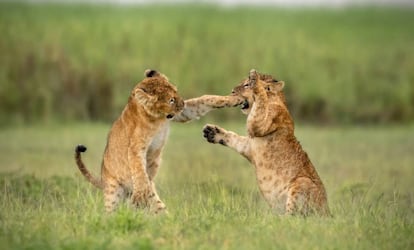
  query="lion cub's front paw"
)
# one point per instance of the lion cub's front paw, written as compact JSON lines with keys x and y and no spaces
{"x":158,"y":207}
{"x":213,"y":134}
{"x":234,"y":100}
{"x":141,"y":198}
{"x":139,"y":202}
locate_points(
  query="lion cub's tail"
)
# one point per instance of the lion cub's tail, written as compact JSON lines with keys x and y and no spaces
{"x":96,"y":182}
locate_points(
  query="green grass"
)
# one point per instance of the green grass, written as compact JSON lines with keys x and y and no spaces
{"x":210,"y":191}
{"x":340,"y":65}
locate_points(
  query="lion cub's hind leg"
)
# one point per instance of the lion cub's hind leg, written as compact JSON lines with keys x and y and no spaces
{"x":297,"y":202}
{"x":302,"y":197}
{"x":113,"y":194}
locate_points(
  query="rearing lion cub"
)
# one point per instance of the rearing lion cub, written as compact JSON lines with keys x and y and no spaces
{"x":286,"y":176}
{"x":133,"y":152}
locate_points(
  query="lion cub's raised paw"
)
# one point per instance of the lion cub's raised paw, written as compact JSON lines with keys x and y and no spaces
{"x":214,"y":134}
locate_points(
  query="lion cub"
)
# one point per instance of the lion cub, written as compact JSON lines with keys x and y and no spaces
{"x":285,"y":175}
{"x":135,"y":141}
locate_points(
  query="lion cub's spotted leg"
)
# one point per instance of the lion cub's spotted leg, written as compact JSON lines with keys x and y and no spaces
{"x":149,"y":200}
{"x":200,"y":106}
{"x":156,"y":205}
{"x":113,"y":193}
{"x":153,"y":163}
{"x":215,"y":134}
{"x":142,"y":189}
{"x":298,"y":200}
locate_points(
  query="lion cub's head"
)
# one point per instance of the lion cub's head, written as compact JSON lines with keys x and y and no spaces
{"x":244,"y":89}
{"x":157,"y":95}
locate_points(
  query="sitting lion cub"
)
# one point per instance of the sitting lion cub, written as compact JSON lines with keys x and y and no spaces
{"x":136,"y":139}
{"x":132,"y":153}
{"x":286,"y":177}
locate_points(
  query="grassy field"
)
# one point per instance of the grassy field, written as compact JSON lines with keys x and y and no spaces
{"x":210,"y":191}
{"x":341,"y":65}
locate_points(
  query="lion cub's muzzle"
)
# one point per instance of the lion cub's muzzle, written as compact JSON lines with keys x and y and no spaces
{"x":178,"y":108}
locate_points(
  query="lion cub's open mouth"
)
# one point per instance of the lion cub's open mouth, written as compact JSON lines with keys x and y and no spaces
{"x":245,"y":105}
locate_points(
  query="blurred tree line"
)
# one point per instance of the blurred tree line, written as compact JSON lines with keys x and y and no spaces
{"x":79,"y":62}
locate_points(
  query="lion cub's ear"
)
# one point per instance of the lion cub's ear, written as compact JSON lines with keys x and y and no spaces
{"x":154,"y":73}
{"x":275,"y":86}
{"x":253,"y":77}
{"x":279,"y":85}
{"x":143,"y":97}
{"x":151,"y":73}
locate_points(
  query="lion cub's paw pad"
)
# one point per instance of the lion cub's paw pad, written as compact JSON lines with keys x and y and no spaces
{"x":209,"y":132}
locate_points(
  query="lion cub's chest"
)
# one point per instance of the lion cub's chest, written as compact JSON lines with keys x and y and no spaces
{"x":159,"y":138}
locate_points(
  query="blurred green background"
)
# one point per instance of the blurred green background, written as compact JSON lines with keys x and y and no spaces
{"x":77,"y":62}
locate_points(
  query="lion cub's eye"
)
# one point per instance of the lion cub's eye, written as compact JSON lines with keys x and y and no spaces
{"x":246,"y":85}
{"x":172,"y":100}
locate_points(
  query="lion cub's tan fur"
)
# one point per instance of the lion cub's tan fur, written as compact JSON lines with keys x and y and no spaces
{"x":285,"y":175}
{"x":135,"y":141}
